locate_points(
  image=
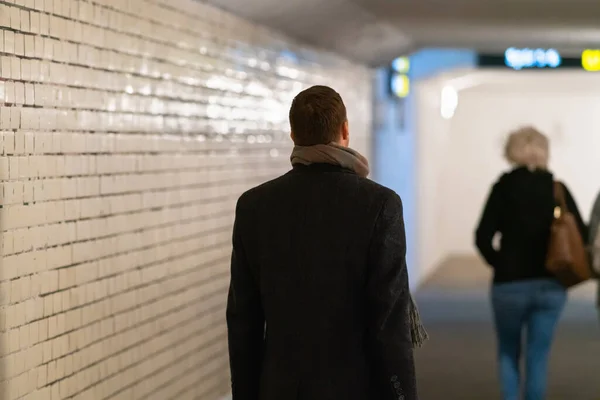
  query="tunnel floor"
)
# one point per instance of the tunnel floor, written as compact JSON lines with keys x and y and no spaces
{"x":458,"y":362}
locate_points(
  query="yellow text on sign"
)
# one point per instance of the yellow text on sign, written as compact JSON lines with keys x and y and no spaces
{"x":401,"y":85}
{"x":590,"y":60}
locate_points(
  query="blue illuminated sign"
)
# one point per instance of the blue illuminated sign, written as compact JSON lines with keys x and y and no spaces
{"x":401,"y":65}
{"x":399,"y":80}
{"x":532,"y":58}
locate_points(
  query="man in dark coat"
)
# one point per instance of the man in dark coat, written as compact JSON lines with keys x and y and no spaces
{"x":318,"y":301}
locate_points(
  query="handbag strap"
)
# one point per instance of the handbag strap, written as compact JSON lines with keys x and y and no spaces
{"x":559,"y":196}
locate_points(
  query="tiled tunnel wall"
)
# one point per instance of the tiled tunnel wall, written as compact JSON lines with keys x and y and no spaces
{"x":128,"y":128}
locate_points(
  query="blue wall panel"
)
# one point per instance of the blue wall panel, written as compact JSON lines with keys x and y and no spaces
{"x":394,"y":163}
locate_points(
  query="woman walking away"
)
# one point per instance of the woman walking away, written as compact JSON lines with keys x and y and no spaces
{"x":524,"y":295}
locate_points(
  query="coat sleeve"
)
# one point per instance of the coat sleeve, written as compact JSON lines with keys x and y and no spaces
{"x":388,"y":299}
{"x":245,"y":321}
{"x":488,"y":227}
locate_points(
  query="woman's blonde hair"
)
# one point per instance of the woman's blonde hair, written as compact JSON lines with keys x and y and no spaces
{"x":528,"y":147}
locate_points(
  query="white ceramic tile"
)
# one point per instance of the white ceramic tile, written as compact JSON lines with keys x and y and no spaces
{"x":15,"y":18}
{"x":19,"y":44}
{"x":9,"y":42}
{"x":5,"y":19}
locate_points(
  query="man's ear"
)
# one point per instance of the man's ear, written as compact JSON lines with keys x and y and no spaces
{"x":345,"y":132}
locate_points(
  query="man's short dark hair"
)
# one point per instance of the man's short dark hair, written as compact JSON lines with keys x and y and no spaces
{"x":317,"y":116}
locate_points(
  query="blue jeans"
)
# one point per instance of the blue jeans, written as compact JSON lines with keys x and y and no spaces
{"x":534,"y":306}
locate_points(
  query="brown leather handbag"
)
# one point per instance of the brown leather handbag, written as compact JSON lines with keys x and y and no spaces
{"x":567,"y":258}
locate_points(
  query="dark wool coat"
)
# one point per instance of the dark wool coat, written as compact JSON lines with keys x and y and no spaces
{"x":318,"y":301}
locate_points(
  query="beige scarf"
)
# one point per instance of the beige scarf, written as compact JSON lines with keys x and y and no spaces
{"x":351,"y":159}
{"x":331,"y":154}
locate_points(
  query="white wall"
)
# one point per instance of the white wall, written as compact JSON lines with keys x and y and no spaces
{"x":128,"y":129}
{"x":459,"y":158}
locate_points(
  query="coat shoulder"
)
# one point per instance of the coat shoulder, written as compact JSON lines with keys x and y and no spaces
{"x":250,"y":196}
{"x":356,"y":185}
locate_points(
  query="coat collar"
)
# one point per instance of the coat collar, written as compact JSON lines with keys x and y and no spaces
{"x":320,"y":167}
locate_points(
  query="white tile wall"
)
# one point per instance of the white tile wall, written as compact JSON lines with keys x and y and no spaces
{"x":128,"y":128}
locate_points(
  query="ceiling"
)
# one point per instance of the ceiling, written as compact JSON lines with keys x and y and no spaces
{"x":374,"y":32}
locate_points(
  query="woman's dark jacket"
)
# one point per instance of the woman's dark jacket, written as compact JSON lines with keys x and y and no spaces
{"x":520,"y":208}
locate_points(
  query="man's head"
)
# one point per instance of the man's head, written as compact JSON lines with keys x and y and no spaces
{"x":318,"y":116}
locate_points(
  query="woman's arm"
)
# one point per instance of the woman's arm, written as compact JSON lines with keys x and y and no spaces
{"x":488,"y":227}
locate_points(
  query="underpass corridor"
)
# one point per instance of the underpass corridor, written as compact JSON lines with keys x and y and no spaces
{"x":129,"y":129}
{"x":458,"y":362}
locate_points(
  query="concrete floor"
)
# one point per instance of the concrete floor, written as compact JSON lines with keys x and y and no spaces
{"x":458,"y":362}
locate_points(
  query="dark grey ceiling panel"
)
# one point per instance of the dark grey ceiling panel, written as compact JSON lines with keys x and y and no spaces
{"x":337,"y":25}
{"x":373,"y":32}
